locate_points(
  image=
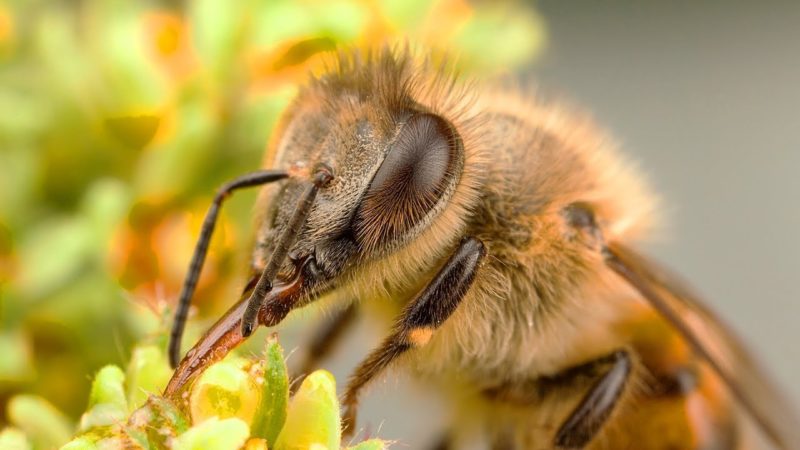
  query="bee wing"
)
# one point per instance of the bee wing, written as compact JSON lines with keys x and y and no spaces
{"x":713,"y":340}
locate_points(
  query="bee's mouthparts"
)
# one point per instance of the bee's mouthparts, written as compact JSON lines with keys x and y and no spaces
{"x":226,"y":333}
{"x":266,"y":303}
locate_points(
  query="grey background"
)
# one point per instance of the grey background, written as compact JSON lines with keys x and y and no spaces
{"x":705,"y":96}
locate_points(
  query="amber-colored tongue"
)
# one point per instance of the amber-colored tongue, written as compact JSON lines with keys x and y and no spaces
{"x":226,"y":334}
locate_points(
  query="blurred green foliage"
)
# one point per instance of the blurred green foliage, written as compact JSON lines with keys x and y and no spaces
{"x":118,"y":119}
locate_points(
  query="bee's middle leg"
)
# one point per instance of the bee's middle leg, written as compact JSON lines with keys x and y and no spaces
{"x":596,"y":406}
{"x":418,"y":321}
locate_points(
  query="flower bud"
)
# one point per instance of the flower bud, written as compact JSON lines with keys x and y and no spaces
{"x":147,"y":373}
{"x":313,"y":417}
{"x":225,"y":390}
{"x":107,"y":402}
{"x":230,"y":433}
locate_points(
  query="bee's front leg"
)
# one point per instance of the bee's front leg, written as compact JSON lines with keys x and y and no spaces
{"x":418,"y":321}
{"x":596,"y":406}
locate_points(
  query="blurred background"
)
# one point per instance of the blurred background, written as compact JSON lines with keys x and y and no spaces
{"x":118,"y":120}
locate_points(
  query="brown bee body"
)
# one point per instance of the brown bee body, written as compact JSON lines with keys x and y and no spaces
{"x":495,"y":222}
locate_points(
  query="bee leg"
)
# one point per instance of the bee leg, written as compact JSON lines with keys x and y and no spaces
{"x":201,"y":248}
{"x":418,"y":321}
{"x":597,"y":405}
{"x":325,"y":341}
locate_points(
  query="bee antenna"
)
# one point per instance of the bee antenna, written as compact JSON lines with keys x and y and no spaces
{"x":285,"y":242}
{"x":201,"y":248}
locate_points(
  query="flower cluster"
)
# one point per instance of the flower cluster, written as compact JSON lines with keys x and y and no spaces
{"x":236,"y":403}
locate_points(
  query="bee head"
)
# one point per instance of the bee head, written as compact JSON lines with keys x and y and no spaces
{"x":396,"y":161}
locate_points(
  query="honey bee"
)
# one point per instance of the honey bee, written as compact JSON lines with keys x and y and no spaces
{"x":504,"y":227}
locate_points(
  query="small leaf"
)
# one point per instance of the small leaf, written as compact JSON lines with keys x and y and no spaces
{"x":313,"y":417}
{"x":13,"y":439}
{"x":271,"y":413}
{"x":148,"y":373}
{"x":223,"y":434}
{"x":47,"y":426}
{"x":107,"y":402}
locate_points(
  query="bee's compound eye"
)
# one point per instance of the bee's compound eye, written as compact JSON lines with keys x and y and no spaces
{"x":411,"y":179}
{"x":419,"y":158}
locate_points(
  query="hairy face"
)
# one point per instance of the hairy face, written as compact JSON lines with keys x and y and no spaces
{"x":395,"y":163}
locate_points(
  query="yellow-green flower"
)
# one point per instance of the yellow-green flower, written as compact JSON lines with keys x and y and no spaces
{"x":235,"y":403}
